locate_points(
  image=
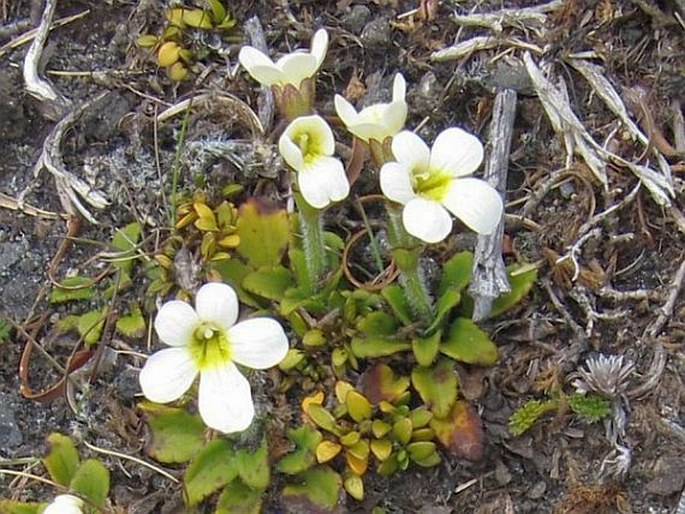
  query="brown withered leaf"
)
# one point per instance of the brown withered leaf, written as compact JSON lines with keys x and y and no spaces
{"x":461,"y":432}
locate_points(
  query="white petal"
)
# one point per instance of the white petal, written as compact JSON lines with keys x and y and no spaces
{"x":457,"y":152}
{"x":290,"y":152}
{"x":367,"y":131}
{"x":296,"y":67}
{"x":175,"y":323}
{"x":427,"y":220}
{"x":225,"y":399}
{"x":395,"y":117}
{"x":167,"y":374}
{"x":399,"y":88}
{"x":258,"y":343}
{"x":346,"y":112}
{"x":409,"y":149}
{"x":476,"y":203}
{"x":65,"y":504}
{"x":396,"y":182}
{"x":217,"y":302}
{"x":319,"y":46}
{"x":259,"y":66}
{"x":323,"y":182}
{"x":316,"y":126}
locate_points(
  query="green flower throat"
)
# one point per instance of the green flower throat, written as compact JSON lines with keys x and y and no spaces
{"x":210,"y":346}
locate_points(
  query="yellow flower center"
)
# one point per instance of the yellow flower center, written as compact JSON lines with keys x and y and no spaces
{"x":431,"y":184}
{"x":309,"y":144}
{"x":210,"y":346}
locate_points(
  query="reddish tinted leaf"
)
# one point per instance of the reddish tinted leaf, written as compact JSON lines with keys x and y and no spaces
{"x":379,"y":383}
{"x":461,"y":432}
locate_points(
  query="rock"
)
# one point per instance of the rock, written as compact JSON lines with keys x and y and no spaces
{"x":10,"y":435}
{"x":669,"y":476}
{"x":355,"y":19}
{"x":376,"y":34}
{"x":538,"y":490}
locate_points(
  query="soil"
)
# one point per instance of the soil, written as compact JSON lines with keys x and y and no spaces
{"x":117,"y":148}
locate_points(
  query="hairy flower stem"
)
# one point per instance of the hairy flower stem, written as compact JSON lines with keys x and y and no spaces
{"x":311,"y":229}
{"x":406,"y":251}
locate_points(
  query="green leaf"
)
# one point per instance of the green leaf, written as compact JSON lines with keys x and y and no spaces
{"x":90,"y":325}
{"x":298,"y":265}
{"x":17,"y":507}
{"x":446,"y":302}
{"x":437,"y":386}
{"x":378,"y":323}
{"x":305,"y":439}
{"x":177,"y":435}
{"x":318,"y":488}
{"x":211,"y":469}
{"x":378,"y":383}
{"x":63,"y":460}
{"x":253,"y":467}
{"x":234,"y":272}
{"x":322,"y":418}
{"x":197,"y":18}
{"x":468,"y":343}
{"x":426,"y":348}
{"x":456,"y":273}
{"x":75,"y":288}
{"x":397,"y":300}
{"x":270,"y":283}
{"x":218,"y":10}
{"x":91,"y":481}
{"x":125,"y":241}
{"x":237,"y":498}
{"x":521,"y":283}
{"x":263,"y":233}
{"x":589,"y":407}
{"x":372,"y":347}
{"x":133,"y":325}
{"x":525,"y":416}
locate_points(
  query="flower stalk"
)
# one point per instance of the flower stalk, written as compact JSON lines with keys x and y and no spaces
{"x":313,"y":244}
{"x":406,"y":250}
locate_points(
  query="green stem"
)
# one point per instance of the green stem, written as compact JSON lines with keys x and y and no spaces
{"x":406,"y":250}
{"x":311,"y":229}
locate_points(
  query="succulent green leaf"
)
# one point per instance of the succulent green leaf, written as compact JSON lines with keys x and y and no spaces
{"x":426,"y":348}
{"x":421,"y":450}
{"x":467,"y":343}
{"x":211,"y":469}
{"x":428,"y":462}
{"x":218,"y":10}
{"x":132,"y":325}
{"x":91,"y":481}
{"x":322,"y":418}
{"x":318,"y":488}
{"x":388,"y":466}
{"x":177,"y":435}
{"x":197,"y":18}
{"x":456,"y":273}
{"x":63,"y":460}
{"x":358,"y":406}
{"x":305,"y":439}
{"x":354,"y":486}
{"x":268,"y":282}
{"x":437,"y":386}
{"x":238,"y":498}
{"x":420,"y":417}
{"x":521,"y":282}
{"x":253,"y":466}
{"x":263,"y":233}
{"x":397,"y":300}
{"x":401,"y":430}
{"x":75,"y":288}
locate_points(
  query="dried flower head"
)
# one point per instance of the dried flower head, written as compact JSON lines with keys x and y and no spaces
{"x":606,"y":375}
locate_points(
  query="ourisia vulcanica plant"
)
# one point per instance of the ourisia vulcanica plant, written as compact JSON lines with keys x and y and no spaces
{"x":207,"y":340}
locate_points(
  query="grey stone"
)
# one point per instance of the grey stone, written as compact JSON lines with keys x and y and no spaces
{"x":10,"y":435}
{"x":376,"y":34}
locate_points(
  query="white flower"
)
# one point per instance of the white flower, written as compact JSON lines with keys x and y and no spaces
{"x":307,"y":145}
{"x":65,"y":504}
{"x":376,"y":122}
{"x":290,"y":69}
{"x":430,"y":182}
{"x":207,"y":341}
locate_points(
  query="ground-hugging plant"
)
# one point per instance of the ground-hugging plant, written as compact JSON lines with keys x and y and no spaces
{"x":372,"y":372}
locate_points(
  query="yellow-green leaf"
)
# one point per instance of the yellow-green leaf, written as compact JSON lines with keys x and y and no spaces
{"x":91,"y":481}
{"x":437,"y":386}
{"x":317,"y":488}
{"x":468,"y":343}
{"x":263,"y":232}
{"x":63,"y":460}
{"x":327,"y":450}
{"x":211,"y":469}
{"x":177,"y":435}
{"x":238,"y":498}
{"x":253,"y":466}
{"x":354,"y":486}
{"x":358,"y":406}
